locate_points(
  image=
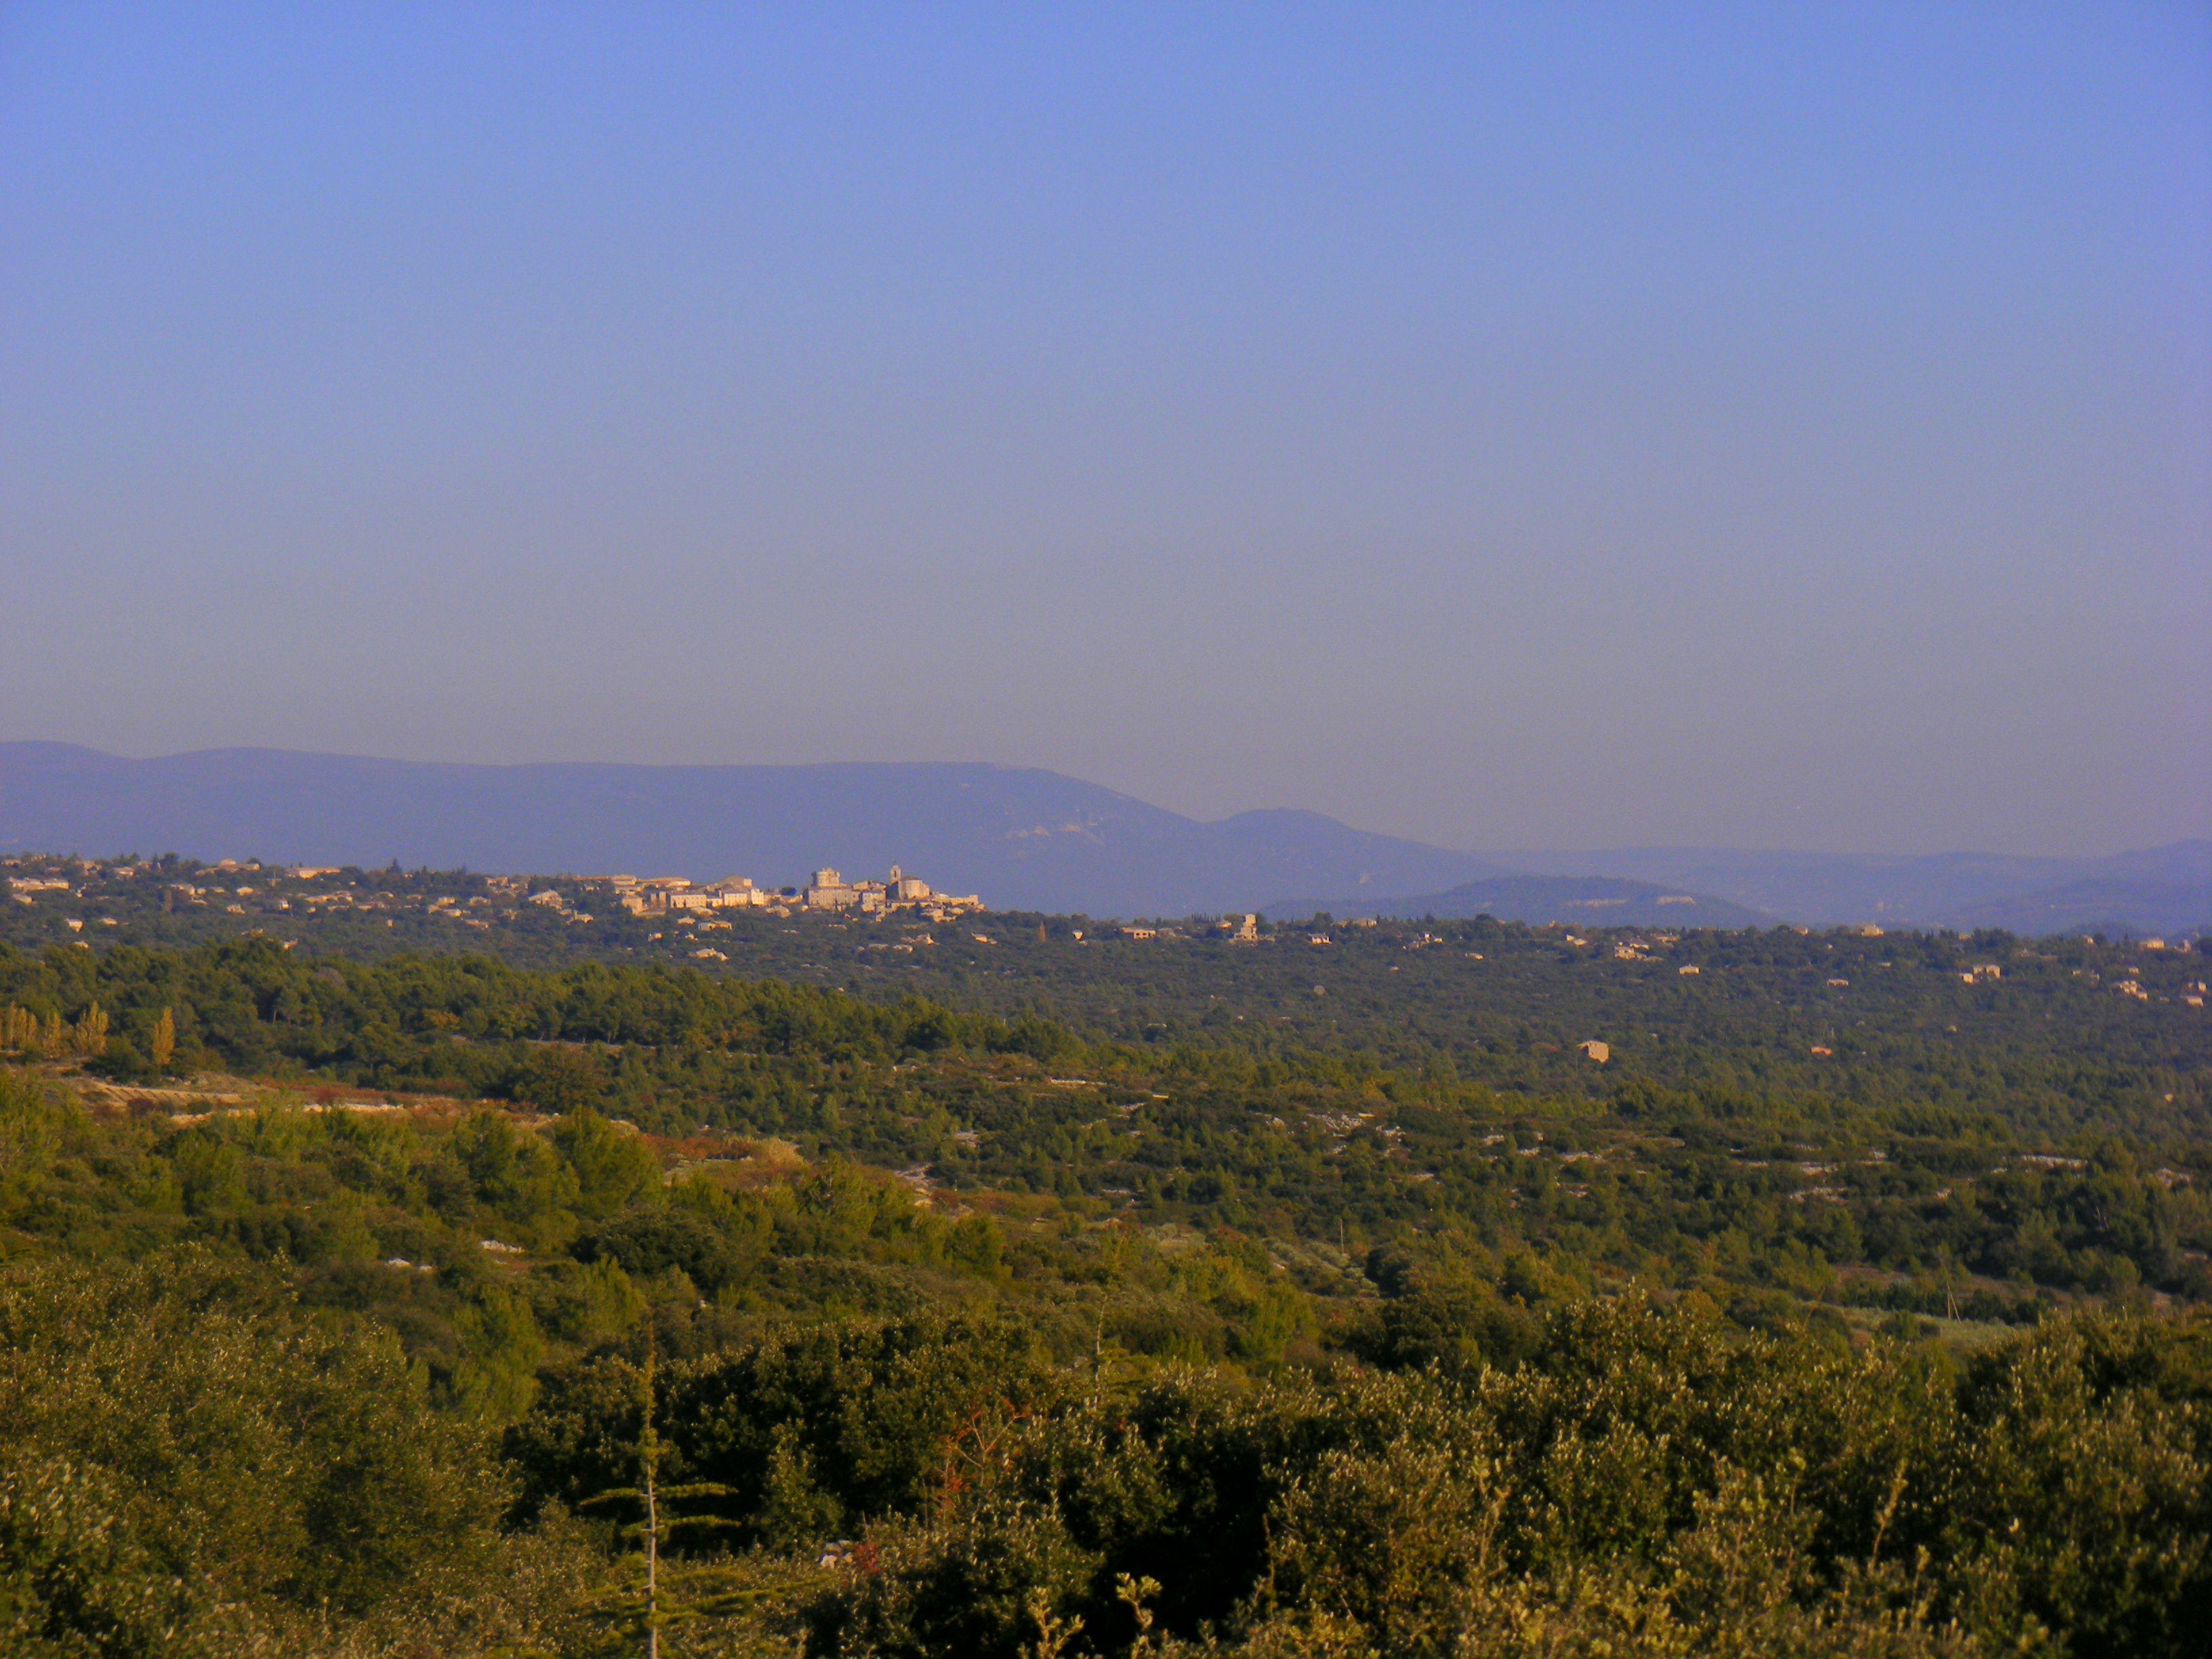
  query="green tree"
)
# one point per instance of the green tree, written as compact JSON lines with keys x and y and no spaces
{"x":563,"y":1079}
{"x":495,"y":1377}
{"x":180,"y":1460}
{"x":612,"y":1169}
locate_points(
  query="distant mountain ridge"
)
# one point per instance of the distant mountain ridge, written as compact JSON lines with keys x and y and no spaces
{"x":1024,"y":838}
{"x":2160,"y":889}
{"x":1585,"y":901}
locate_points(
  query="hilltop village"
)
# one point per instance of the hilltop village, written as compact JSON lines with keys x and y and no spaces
{"x":76,"y":897}
{"x":826,"y":891}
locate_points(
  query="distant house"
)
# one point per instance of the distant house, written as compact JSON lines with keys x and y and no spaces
{"x":830,"y":890}
{"x":1597,"y":1051}
{"x":651,"y":897}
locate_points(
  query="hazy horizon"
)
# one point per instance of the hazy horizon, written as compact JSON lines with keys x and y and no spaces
{"x":1583,"y":428}
{"x":1505,"y":853}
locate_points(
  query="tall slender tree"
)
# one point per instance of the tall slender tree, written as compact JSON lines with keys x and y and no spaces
{"x":665,"y":1598}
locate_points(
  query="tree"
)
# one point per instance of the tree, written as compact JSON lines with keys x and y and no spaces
{"x":563,"y":1079}
{"x":185,"y":1465}
{"x":659,"y":1601}
{"x":612,"y":1166}
{"x":501,"y":1347}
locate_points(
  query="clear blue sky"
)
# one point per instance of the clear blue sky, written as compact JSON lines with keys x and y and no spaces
{"x":1554,"y":424}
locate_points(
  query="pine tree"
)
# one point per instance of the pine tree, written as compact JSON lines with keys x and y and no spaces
{"x":665,"y":1598}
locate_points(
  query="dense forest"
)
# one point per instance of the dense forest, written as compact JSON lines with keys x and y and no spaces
{"x":1072,"y":1293}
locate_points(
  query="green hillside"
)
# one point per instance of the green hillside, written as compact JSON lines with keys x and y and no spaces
{"x":1098,"y":1294}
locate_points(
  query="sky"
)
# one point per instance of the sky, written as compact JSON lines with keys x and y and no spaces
{"x":1549,"y":425}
